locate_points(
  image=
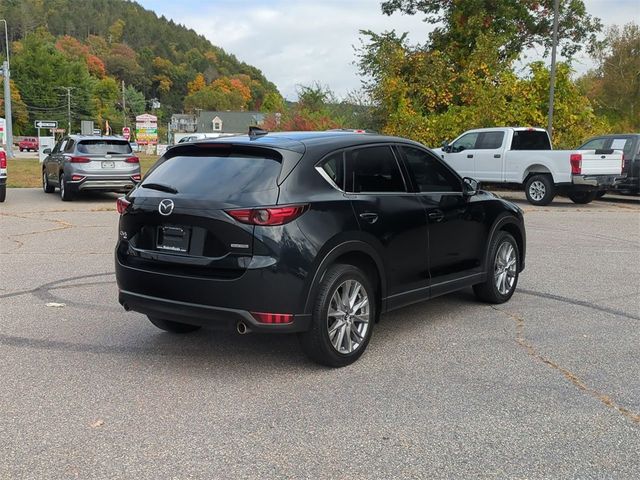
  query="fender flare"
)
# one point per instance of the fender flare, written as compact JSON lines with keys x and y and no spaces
{"x":502,"y":220}
{"x":349,"y":246}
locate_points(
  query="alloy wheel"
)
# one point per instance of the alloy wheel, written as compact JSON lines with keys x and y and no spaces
{"x":348,"y":317}
{"x":505,"y":268}
{"x":537,"y":190}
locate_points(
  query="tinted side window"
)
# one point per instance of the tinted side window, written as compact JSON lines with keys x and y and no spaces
{"x":57,"y":148}
{"x":428,"y":173}
{"x":373,"y":169}
{"x":465,"y":142}
{"x":530,"y":140}
{"x":333,"y":167}
{"x":490,"y":140}
{"x":69,"y":147}
{"x":595,"y":144}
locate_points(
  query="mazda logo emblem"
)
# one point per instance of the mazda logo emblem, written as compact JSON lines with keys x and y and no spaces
{"x":166,"y":207}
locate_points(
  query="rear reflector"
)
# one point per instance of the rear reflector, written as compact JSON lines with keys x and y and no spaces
{"x":576,"y":163}
{"x":122,"y":204}
{"x":132,"y":160}
{"x":79,"y":160}
{"x":273,"y":317}
{"x":269,"y":216}
{"x":136,"y":178}
{"x":3,"y":160}
{"x":76,"y":178}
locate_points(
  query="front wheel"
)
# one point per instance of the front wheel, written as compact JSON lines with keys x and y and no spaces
{"x":502,"y":271}
{"x":343,"y":317}
{"x":540,"y":189}
{"x":173,"y":327}
{"x":582,"y":197}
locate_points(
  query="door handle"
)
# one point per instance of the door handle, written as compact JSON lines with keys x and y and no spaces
{"x":497,"y":155}
{"x":369,"y":217}
{"x":436,"y":216}
{"x":470,"y":156}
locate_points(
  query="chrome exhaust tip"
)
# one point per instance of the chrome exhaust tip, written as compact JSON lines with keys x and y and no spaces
{"x":242,"y":328}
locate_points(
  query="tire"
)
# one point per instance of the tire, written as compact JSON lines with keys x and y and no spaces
{"x":326,"y":342}
{"x":173,"y":327}
{"x":3,"y":193}
{"x":540,"y":189}
{"x":65,"y":193}
{"x":584,"y":197}
{"x":46,"y":186}
{"x":504,"y":258}
{"x":21,"y":149}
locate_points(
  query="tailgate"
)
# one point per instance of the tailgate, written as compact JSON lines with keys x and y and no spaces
{"x":601,"y":162}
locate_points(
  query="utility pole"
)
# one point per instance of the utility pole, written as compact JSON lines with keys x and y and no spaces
{"x":7,"y":94}
{"x":124,"y":107}
{"x":552,"y":77}
{"x":68,"y":89}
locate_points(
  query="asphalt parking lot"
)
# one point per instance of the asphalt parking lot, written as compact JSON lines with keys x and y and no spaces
{"x":545,"y":386}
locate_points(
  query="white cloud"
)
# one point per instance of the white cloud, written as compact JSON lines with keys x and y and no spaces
{"x":300,"y":42}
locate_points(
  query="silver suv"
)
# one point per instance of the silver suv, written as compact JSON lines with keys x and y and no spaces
{"x":79,"y":163}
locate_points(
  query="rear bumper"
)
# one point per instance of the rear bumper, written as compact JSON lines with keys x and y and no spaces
{"x":205,"y":315}
{"x":598,"y":181}
{"x":123,"y":183}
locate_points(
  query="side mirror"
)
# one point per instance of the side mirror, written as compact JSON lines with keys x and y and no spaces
{"x":46,"y":151}
{"x":470,"y":186}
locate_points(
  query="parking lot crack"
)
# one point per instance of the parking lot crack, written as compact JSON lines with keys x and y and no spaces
{"x":574,"y":379}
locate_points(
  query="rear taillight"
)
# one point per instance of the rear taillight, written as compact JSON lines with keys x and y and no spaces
{"x":269,"y":216}
{"x":122,"y":204}
{"x":3,"y":160}
{"x":136,"y":178}
{"x":576,"y":163}
{"x":273,"y":317}
{"x":132,"y":160}
{"x":79,"y":159}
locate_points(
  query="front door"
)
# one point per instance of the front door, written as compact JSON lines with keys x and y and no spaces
{"x":457,"y":235}
{"x":392,"y":219}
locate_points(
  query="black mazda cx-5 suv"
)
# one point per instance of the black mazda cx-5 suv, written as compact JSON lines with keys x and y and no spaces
{"x":316,"y":233}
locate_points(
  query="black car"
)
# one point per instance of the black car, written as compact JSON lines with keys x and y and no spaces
{"x":310,"y":232}
{"x":629,"y":143}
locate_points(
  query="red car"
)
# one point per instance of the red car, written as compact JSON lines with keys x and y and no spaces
{"x":28,"y":144}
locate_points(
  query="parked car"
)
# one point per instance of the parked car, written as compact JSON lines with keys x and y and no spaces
{"x":28,"y":144}
{"x":3,"y":175}
{"x":316,"y":233}
{"x":79,"y":163}
{"x":523,"y":156}
{"x":629,"y":143}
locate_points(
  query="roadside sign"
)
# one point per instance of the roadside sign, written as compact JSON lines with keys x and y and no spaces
{"x":126,"y":133}
{"x":97,"y":131}
{"x":45,"y":124}
{"x":58,"y":130}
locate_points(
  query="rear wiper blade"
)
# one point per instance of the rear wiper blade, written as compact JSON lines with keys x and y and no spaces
{"x":160,"y":186}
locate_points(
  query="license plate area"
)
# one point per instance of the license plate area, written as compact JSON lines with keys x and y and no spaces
{"x":173,"y":238}
{"x":108,"y":164}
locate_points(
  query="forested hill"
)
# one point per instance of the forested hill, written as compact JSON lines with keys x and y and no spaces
{"x":115,"y":41}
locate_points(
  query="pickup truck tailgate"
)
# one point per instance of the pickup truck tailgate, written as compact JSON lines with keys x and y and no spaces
{"x":600,"y":162}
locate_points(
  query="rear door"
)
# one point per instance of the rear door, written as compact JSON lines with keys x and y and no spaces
{"x":393,"y":219}
{"x":178,"y":220}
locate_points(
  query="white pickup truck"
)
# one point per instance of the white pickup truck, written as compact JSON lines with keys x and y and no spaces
{"x":523,"y":156}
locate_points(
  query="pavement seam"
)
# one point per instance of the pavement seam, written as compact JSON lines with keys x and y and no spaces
{"x":532,"y":351}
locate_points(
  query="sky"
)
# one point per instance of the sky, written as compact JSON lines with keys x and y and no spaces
{"x":298,"y":42}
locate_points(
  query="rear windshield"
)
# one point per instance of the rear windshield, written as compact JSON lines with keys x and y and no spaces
{"x":530,"y":140}
{"x":103,"y":147}
{"x":219,"y":177}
